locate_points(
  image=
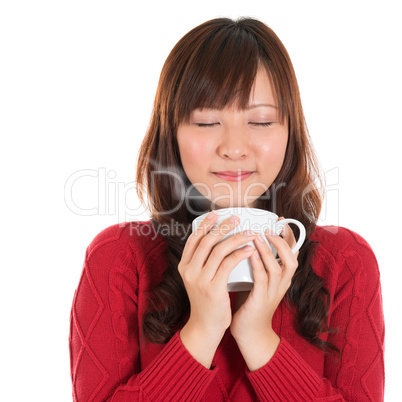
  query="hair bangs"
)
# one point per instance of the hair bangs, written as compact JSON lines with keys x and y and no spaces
{"x":220,"y":73}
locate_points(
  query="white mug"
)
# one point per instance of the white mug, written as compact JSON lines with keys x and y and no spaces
{"x":258,"y":221}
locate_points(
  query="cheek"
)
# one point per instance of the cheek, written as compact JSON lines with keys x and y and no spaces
{"x":193,"y":152}
{"x":273,"y":149}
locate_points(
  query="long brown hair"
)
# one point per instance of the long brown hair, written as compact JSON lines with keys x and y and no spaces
{"x":214,"y":65}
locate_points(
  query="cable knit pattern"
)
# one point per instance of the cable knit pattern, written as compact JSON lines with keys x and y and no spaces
{"x":347,"y":373}
{"x":117,"y":294}
{"x":110,"y":361}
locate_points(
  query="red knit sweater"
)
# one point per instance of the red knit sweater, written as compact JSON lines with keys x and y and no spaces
{"x":110,"y":362}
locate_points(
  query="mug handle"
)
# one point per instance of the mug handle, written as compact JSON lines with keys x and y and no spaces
{"x":280,"y":224}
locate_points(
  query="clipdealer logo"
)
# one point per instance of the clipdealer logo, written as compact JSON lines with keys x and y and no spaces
{"x":89,"y":192}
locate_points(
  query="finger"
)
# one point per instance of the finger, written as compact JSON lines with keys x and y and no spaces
{"x":223,"y":250}
{"x":195,"y":237}
{"x":207,"y":243}
{"x":199,"y":247}
{"x":289,"y":260}
{"x":265,"y":252}
{"x":274,"y":271}
{"x":288,"y":235}
{"x":260,"y":274}
{"x":279,"y":219}
{"x":230,"y":262}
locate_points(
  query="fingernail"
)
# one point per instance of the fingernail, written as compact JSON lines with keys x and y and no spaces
{"x":211,"y":215}
{"x":256,"y":255}
{"x":284,"y":231}
{"x":260,"y":239}
{"x":233,"y":219}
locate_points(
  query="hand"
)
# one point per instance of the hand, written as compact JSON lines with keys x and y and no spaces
{"x":205,"y":271}
{"x":252,"y":321}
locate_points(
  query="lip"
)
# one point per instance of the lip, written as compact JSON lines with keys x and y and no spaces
{"x":233,"y":176}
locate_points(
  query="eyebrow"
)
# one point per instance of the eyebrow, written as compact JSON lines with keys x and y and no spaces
{"x":260,"y":105}
{"x":247,"y":107}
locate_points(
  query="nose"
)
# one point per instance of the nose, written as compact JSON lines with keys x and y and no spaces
{"x":234,"y":143}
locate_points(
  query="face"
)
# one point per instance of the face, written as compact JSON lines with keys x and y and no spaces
{"x":235,"y":142}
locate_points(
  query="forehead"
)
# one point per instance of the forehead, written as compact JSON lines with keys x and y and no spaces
{"x":262,"y":90}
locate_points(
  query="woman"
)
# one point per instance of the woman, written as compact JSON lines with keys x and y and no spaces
{"x":151,"y":317}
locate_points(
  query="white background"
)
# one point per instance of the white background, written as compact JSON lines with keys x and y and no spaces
{"x":77,"y":82}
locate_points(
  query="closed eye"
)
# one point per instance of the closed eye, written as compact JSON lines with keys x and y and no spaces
{"x":267,"y":124}
{"x":262,"y":124}
{"x":205,"y":124}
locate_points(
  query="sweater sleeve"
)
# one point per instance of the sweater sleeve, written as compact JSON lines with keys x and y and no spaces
{"x":104,"y":341}
{"x":357,"y":312}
